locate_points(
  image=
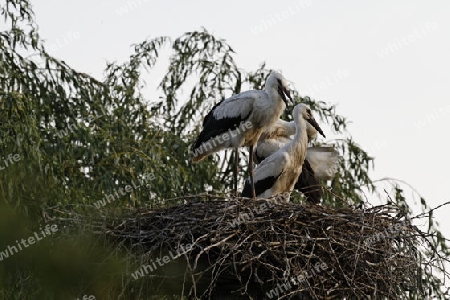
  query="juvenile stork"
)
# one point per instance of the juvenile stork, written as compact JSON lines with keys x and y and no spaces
{"x":279,"y":172}
{"x":238,"y":121}
{"x":320,"y":162}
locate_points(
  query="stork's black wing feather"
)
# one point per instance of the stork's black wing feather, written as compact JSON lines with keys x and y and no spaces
{"x":213,"y":127}
{"x":260,"y":186}
{"x":211,"y":112}
{"x":309,"y":184}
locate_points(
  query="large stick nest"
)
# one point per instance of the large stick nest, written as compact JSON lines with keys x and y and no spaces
{"x":272,"y":249}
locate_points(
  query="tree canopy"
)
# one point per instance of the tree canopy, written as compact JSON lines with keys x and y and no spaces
{"x":79,"y":138}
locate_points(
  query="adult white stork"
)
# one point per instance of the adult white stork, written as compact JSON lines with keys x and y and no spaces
{"x":320,"y":162}
{"x":279,"y":172}
{"x":238,"y":121}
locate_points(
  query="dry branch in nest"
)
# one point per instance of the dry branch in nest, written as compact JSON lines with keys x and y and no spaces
{"x":269,"y":249}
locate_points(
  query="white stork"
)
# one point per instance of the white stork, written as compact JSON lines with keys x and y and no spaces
{"x":279,"y":172}
{"x":238,"y":121}
{"x":320,"y":162}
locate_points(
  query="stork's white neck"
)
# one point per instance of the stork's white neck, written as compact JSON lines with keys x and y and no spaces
{"x":274,"y":96}
{"x":267,"y":110}
{"x":271,"y":83}
{"x":290,"y":128}
{"x":297,"y":147}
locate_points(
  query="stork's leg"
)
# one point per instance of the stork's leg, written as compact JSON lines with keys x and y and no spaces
{"x":250,"y":167}
{"x":236,"y":160}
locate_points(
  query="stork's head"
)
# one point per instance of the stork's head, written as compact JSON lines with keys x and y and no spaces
{"x":277,"y":82}
{"x":303,"y":111}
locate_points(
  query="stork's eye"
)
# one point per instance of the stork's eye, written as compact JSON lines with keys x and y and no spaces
{"x":279,"y":81}
{"x":308,"y":111}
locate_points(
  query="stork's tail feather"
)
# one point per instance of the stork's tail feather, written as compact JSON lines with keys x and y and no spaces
{"x":324,"y":161}
{"x":309,"y":184}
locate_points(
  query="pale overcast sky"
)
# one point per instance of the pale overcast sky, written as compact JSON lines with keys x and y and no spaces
{"x":385,"y":63}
